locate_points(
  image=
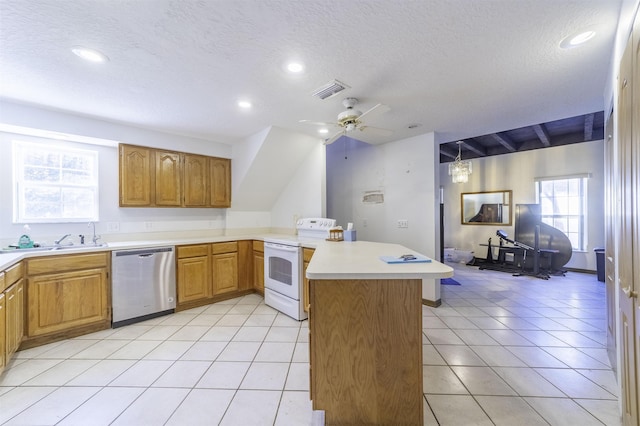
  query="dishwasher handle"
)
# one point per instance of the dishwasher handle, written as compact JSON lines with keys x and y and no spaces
{"x":143,"y":252}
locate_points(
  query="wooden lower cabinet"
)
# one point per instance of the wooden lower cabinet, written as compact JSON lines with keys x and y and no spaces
{"x":365,"y":351}
{"x":307,"y":254}
{"x":224,"y":267}
{"x":11,"y":312}
{"x":3,"y":333}
{"x":194,"y":273}
{"x":258,"y":266}
{"x":67,"y":296}
{"x":209,"y":273}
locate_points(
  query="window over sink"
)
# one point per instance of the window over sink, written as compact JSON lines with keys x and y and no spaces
{"x":54,"y":181}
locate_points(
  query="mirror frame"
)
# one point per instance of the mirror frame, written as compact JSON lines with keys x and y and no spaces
{"x":471,"y":202}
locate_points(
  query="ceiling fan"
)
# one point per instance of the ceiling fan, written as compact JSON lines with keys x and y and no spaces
{"x":351,"y":119}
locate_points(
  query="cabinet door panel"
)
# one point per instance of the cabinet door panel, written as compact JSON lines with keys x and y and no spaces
{"x":3,"y":332}
{"x":63,"y":301}
{"x":220,"y":181}
{"x":194,"y":279}
{"x":196,"y":178}
{"x":258,"y":271}
{"x":168,"y":179}
{"x":135,"y":176}
{"x":225,"y":273}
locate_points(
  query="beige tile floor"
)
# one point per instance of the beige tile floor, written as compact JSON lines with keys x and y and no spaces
{"x":501,"y":350}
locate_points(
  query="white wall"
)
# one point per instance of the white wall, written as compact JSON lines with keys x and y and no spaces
{"x":137,"y":223}
{"x":304,"y":196}
{"x":406,"y":171}
{"x":301,"y":192}
{"x":517,"y":172}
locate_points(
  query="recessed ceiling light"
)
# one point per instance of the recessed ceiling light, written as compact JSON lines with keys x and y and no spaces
{"x":323,"y":131}
{"x":244,"y":104}
{"x":577,"y":39}
{"x":91,"y":55}
{"x":295,"y":67}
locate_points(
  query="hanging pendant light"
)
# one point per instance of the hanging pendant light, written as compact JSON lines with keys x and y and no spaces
{"x":460,"y":170}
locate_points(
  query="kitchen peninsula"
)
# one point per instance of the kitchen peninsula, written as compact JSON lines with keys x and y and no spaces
{"x":365,"y":325}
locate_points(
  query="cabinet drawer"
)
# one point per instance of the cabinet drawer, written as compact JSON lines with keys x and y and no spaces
{"x":2,"y":282}
{"x":13,"y":274}
{"x":307,"y":254}
{"x":258,"y":246}
{"x":40,"y":265}
{"x":230,"y":247}
{"x":193,"y":251}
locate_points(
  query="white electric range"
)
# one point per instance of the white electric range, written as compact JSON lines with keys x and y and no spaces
{"x":283,"y":277}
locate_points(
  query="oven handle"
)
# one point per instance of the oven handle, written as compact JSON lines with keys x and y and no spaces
{"x":281,"y":247}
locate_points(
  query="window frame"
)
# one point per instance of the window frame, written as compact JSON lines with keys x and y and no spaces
{"x":581,"y":216}
{"x":20,"y":146}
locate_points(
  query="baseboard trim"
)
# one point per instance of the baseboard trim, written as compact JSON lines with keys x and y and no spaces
{"x":431,"y":303}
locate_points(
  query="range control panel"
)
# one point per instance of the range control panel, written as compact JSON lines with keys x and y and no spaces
{"x":316,"y":223}
{"x":313,"y":227}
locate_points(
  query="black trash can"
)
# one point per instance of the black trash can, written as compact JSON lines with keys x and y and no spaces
{"x":600,"y":263}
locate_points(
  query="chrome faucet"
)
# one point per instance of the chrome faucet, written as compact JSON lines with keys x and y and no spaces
{"x":95,"y":237}
{"x":60,"y":240}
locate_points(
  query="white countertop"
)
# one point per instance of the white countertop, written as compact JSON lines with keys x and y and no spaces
{"x":361,"y":260}
{"x":8,"y":259}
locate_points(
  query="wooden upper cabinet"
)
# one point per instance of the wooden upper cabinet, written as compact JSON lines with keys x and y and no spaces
{"x":220,"y":170}
{"x":135,"y":176}
{"x":196,"y":180}
{"x":168,"y":179}
{"x":157,"y":178}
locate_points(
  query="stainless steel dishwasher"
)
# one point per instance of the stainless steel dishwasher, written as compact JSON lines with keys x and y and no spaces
{"x":143,"y":284}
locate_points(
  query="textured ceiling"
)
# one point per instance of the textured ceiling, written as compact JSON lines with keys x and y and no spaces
{"x":458,"y":68}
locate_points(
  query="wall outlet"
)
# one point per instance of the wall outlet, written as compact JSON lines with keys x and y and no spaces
{"x":148,"y":225}
{"x":364,"y":223}
{"x":404,"y":223}
{"x":113,"y":226}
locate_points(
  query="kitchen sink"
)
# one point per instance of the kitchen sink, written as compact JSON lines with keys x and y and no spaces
{"x":52,"y":248}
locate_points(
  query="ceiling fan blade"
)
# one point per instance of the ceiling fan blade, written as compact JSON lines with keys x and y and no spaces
{"x":334,"y":138}
{"x":376,"y":130}
{"x":316,"y":123}
{"x":376,"y":110}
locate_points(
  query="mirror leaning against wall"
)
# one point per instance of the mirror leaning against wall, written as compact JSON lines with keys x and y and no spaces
{"x":486,"y":208}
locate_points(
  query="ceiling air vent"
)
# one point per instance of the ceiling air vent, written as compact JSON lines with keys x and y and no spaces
{"x":330,"y":89}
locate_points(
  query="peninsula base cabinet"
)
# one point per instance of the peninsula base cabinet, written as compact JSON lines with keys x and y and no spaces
{"x":366,"y":351}
{"x":67,"y":296}
{"x":11,"y":312}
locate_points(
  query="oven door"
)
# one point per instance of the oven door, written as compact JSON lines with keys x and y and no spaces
{"x":283,"y":269}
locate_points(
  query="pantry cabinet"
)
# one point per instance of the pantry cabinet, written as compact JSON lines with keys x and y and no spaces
{"x":67,"y":296}
{"x":160,"y":178}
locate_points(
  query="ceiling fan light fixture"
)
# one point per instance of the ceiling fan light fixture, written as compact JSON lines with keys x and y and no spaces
{"x":460,"y":169}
